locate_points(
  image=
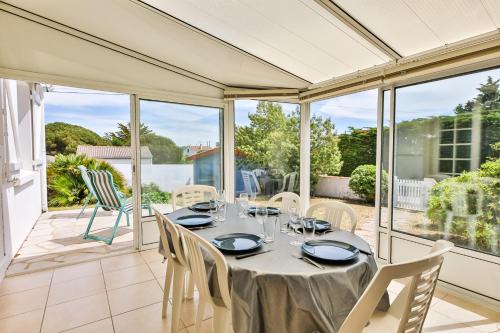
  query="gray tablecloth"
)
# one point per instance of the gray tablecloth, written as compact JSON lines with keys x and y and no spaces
{"x":276,"y":292}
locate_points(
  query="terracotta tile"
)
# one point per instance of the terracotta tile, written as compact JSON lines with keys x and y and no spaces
{"x":29,"y":322}
{"x":75,"y":313}
{"x":122,"y":261}
{"x":127,"y":276}
{"x":22,"y":302}
{"x":146,"y":319}
{"x":77,"y":288}
{"x":101,"y":326}
{"x":134,"y":296}
{"x":25,"y":282}
{"x":72,"y":272}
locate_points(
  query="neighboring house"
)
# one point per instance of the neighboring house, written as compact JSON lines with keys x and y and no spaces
{"x":206,"y":167}
{"x":193,"y":149}
{"x":115,"y":154}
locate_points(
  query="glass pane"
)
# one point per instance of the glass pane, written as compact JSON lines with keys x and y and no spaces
{"x":343,"y":155}
{"x":267,"y":146}
{"x":457,"y":198}
{"x":180,"y":145}
{"x":384,"y":195}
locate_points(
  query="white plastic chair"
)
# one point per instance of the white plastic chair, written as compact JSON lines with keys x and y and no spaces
{"x":186,"y":196}
{"x":259,"y":172}
{"x":333,"y":211}
{"x":285,"y":201}
{"x":290,"y":182}
{"x":177,"y":267}
{"x":408,"y":311}
{"x":249,"y":178}
{"x":194,"y":245}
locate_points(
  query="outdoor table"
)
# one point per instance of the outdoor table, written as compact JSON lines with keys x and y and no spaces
{"x":276,"y":292}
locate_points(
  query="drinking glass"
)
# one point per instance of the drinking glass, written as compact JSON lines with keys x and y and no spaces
{"x":283,"y":221}
{"x":308,"y":228}
{"x":261,"y":214}
{"x":213,"y":208}
{"x":269,"y":227}
{"x":242,"y":202}
{"x":295,"y":224}
{"x":221,"y":212}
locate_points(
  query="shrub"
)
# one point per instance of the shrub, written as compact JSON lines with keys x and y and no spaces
{"x":151,"y":193}
{"x":468,"y":205}
{"x":65,"y":185}
{"x":363,"y":181}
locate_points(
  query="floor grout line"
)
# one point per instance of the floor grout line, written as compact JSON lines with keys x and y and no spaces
{"x":107,"y":297}
{"x":46,"y":302}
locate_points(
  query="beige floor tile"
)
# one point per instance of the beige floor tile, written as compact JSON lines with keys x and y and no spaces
{"x":146,"y":319}
{"x":158,"y":268}
{"x":72,"y":272}
{"x":22,"y":302}
{"x":134,"y":296}
{"x":127,"y":276}
{"x":77,"y":288}
{"x":439,"y":323}
{"x":122,"y":261}
{"x":29,"y":322}
{"x":206,"y":327}
{"x":151,"y":255}
{"x":75,"y":313}
{"x":101,"y":326}
{"x":25,"y":282}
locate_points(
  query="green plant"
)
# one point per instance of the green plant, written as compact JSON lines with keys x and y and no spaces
{"x":65,"y":185}
{"x":358,"y":147}
{"x":151,"y":193}
{"x":363,"y":181}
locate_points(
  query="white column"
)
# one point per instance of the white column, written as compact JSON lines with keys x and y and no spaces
{"x":136,"y":168}
{"x":228,"y":149}
{"x":305,"y":157}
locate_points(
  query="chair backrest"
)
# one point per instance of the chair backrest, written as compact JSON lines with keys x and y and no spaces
{"x":195,"y":245}
{"x":333,"y":212}
{"x":104,"y":188}
{"x":251,"y":183}
{"x":259,"y":172}
{"x":86,"y":179}
{"x":290,"y":182}
{"x":412,"y":304}
{"x":170,"y":238}
{"x":188,"y":195}
{"x":286,"y":201}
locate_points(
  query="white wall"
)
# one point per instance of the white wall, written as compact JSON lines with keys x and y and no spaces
{"x":167,"y":176}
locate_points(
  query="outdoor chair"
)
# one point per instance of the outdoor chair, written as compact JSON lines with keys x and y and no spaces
{"x":251,"y":183}
{"x":177,"y":267}
{"x":186,"y":196}
{"x":285,"y":201}
{"x":290,"y":182}
{"x":333,"y":211}
{"x":408,"y":311}
{"x":196,"y":247}
{"x":108,"y":198}
{"x":87,"y":182}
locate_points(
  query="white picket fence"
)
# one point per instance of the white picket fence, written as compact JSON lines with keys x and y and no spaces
{"x":412,"y":194}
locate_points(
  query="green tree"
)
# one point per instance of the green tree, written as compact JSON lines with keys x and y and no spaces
{"x":122,"y":137}
{"x":63,"y":138}
{"x":272,"y":141}
{"x":358,"y":147}
{"x":65,"y":186}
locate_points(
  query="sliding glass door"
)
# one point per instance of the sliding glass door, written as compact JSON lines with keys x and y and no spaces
{"x":180,"y":145}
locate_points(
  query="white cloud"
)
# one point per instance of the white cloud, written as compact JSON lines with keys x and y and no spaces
{"x":360,"y":106}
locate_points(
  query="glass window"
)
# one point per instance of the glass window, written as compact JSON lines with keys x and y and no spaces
{"x":343,"y":155}
{"x":447,"y":160}
{"x":267,"y":146}
{"x":180,"y":145}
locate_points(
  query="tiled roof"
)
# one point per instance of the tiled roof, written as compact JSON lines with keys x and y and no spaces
{"x":111,"y":152}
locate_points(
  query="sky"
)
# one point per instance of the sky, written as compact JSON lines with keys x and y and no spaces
{"x":187,"y":124}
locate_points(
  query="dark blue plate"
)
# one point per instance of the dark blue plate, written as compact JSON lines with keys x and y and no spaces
{"x":330,"y":250}
{"x":194,"y":220}
{"x":271,"y":211}
{"x":203,"y":206}
{"x":237,"y":242}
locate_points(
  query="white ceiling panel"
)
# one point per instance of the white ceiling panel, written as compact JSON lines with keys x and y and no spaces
{"x":133,"y":25}
{"x":493,"y":9}
{"x":299,"y":36}
{"x":414,"y":26}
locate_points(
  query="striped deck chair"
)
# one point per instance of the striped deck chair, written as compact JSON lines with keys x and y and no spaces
{"x":108,"y":198}
{"x":87,"y":182}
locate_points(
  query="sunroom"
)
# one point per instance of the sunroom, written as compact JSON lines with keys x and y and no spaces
{"x":375,"y":124}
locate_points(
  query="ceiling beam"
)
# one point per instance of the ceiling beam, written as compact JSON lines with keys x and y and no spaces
{"x":357,"y":27}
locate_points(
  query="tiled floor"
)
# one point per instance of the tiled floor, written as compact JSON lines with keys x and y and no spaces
{"x":57,"y":239}
{"x":124,"y":293}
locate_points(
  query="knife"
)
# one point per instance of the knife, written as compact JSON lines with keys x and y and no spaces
{"x":199,"y":228}
{"x":312,"y":262}
{"x":243,"y":256}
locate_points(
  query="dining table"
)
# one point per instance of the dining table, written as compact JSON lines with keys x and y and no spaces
{"x":278,"y":292}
